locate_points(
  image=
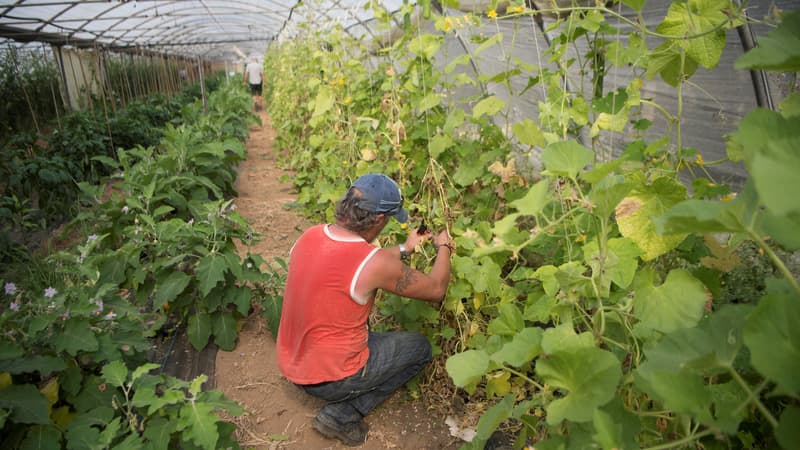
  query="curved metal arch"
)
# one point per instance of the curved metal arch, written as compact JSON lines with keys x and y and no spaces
{"x":165,"y":32}
{"x":177,"y":37}
{"x":184,"y":6}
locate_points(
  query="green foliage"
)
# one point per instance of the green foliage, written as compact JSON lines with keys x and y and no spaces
{"x":597,"y":293}
{"x":159,"y":252}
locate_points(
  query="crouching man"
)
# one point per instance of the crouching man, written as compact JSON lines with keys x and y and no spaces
{"x":324,"y":344}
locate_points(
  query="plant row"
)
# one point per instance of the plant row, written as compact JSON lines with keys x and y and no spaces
{"x":154,"y":254}
{"x":597,"y":302}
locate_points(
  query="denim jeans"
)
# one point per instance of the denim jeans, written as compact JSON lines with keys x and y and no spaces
{"x":394,"y":358}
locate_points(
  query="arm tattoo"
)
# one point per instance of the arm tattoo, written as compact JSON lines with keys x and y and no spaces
{"x":406,"y":278}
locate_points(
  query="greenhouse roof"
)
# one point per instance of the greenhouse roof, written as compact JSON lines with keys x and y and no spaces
{"x":216,"y":29}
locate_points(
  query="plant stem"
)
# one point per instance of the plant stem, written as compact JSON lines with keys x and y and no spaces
{"x":775,"y":260}
{"x":680,"y":442}
{"x":524,"y":377}
{"x":770,"y":418}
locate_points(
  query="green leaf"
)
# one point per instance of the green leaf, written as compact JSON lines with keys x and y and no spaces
{"x":240,"y":296}
{"x":547,"y":275}
{"x":78,"y":337}
{"x":700,"y":20}
{"x":438,"y":144}
{"x":430,"y":100}
{"x":492,"y":419}
{"x":788,"y":431}
{"x":161,"y":210}
{"x":323,"y":101}
{"x":635,"y":216}
{"x":681,"y":392}
{"x":199,"y":330}
{"x":779,"y":50}
{"x":620,"y":263}
{"x":45,"y":365}
{"x":467,"y":367}
{"x":615,"y":427}
{"x":524,"y":346}
{"x":42,"y":437}
{"x":677,"y":303}
{"x":564,"y":339}
{"x":468,"y":171}
{"x":508,"y":321}
{"x":26,"y":403}
{"x":224,"y":330}
{"x":707,"y":349}
{"x":727,"y":398}
{"x":10,"y":350}
{"x":425,"y":45}
{"x":534,"y":201}
{"x":198,"y":423}
{"x":142,"y":370}
{"x":115,"y":373}
{"x":169,"y":288}
{"x":496,"y":38}
{"x":635,"y":4}
{"x":589,"y":378}
{"x":566,"y":158}
{"x":773,"y":337}
{"x":698,"y":216}
{"x":158,"y":432}
{"x":490,"y":106}
{"x":528,"y":132}
{"x":665,"y":60}
{"x":210,"y":271}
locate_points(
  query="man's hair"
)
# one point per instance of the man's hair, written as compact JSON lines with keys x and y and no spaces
{"x":350,"y":216}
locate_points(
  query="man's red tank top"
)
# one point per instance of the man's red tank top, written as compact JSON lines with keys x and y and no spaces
{"x":323,"y":329}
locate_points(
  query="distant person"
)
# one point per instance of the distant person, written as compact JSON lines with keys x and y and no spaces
{"x":324,"y":344}
{"x":253,"y":74}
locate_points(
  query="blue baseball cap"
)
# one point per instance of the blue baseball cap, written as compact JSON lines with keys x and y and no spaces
{"x":380,"y":194}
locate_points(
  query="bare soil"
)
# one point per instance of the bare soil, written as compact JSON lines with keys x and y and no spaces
{"x":279,"y":413}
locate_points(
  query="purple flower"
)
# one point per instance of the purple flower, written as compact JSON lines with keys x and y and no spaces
{"x":110,"y":315}
{"x":14,"y":306}
{"x":50,"y":292}
{"x":11,"y":288}
{"x":66,"y":315}
{"x":92,"y":237}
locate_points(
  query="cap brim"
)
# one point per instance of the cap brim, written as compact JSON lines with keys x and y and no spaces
{"x":401,"y":216}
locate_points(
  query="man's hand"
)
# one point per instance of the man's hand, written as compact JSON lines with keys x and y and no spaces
{"x":415,"y":238}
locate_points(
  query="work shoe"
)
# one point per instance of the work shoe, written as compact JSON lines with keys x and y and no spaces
{"x":351,"y":434}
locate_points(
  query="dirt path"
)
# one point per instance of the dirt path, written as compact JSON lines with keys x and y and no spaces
{"x":278,"y":413}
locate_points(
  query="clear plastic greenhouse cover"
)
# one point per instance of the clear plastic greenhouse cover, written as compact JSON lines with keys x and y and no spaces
{"x":216,"y":29}
{"x":713,"y":102}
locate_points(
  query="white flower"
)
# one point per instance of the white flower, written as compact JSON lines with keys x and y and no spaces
{"x":50,"y":292}
{"x":125,"y":209}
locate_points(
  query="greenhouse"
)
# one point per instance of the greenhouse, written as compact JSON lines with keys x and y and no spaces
{"x":527,"y":224}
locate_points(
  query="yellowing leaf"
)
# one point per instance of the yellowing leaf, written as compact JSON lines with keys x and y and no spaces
{"x":497,"y":384}
{"x":635,"y":215}
{"x":725,"y":259}
{"x":505,"y":172}
{"x":50,"y":390}
{"x":62,"y":416}
{"x":367,"y":154}
{"x":5,"y":380}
